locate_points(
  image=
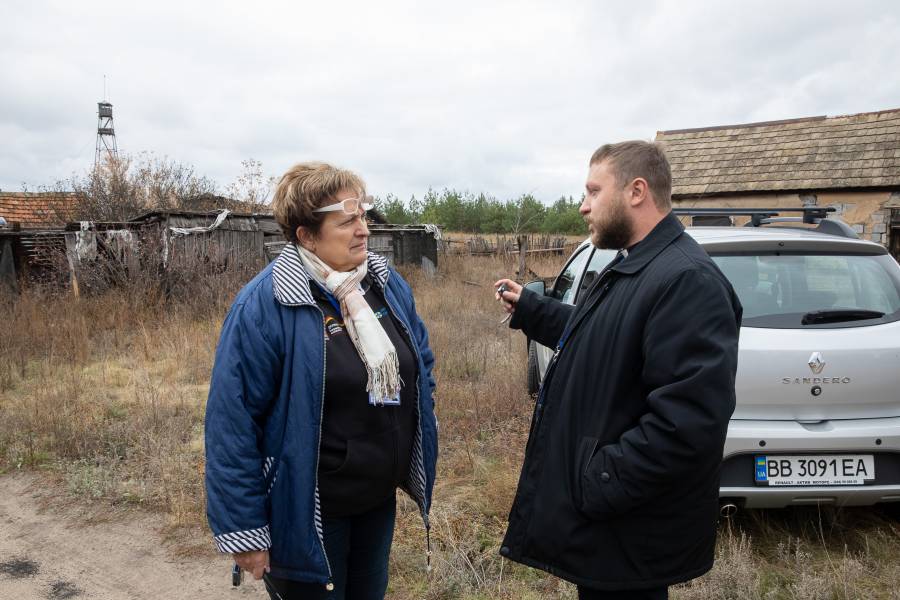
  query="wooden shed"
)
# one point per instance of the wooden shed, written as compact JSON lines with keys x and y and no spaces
{"x":220,"y":235}
{"x":406,"y":244}
{"x":180,"y":239}
{"x":400,"y":244}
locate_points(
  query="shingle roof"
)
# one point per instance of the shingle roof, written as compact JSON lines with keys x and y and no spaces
{"x":37,"y":210}
{"x":816,"y":153}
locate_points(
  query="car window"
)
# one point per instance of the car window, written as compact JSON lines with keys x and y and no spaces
{"x":562,"y":288}
{"x":777,"y":290}
{"x":599,"y":259}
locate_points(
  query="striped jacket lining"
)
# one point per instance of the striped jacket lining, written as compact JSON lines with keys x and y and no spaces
{"x":267,"y":466}
{"x":290,"y":281}
{"x":244,"y":541}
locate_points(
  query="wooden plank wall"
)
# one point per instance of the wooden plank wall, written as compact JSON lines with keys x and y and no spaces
{"x":228,"y":246}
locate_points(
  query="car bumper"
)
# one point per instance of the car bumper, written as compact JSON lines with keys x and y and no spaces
{"x":747,"y":439}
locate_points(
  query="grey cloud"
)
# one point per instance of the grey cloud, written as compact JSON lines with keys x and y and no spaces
{"x":501,"y":97}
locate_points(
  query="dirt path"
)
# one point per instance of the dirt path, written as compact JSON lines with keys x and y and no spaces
{"x":51,"y":550}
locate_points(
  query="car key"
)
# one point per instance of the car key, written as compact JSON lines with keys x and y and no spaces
{"x":500,"y":291}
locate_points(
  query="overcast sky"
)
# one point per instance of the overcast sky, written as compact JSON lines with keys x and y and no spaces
{"x":498,"y":97}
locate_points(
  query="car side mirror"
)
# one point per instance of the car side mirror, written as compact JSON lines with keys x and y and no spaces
{"x":537,"y":286}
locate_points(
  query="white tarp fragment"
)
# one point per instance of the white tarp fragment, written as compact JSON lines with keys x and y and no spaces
{"x":433,"y":230}
{"x":176,"y":231}
{"x":120,"y":241}
{"x":85,"y":242}
{"x":165,"y":247}
{"x":121,"y":236}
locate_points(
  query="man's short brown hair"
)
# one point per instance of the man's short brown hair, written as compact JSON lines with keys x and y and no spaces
{"x":636,"y":158}
{"x":306,"y":187}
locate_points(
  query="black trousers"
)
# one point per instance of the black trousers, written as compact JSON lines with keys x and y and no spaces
{"x":654,"y":594}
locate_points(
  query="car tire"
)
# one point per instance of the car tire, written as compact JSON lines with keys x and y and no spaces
{"x":533,"y":374}
{"x":891,"y":510}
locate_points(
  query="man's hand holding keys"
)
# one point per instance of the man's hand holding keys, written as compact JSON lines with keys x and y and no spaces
{"x":508,"y":292}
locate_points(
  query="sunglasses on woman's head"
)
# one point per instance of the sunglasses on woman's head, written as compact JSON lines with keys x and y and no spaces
{"x":350,"y":206}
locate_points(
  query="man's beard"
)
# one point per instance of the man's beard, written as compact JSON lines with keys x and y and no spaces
{"x":616,"y":231}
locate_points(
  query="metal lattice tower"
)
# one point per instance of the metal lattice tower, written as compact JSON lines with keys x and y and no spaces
{"x":106,"y":134}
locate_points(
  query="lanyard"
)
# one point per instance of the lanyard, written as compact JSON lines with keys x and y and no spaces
{"x":331,"y":299}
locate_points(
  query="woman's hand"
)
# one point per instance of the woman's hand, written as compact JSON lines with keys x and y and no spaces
{"x":510,"y":295}
{"x":256,"y":562}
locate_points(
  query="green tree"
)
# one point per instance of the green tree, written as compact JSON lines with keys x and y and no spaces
{"x":393,"y":209}
{"x":563,"y":217}
{"x":471,"y":213}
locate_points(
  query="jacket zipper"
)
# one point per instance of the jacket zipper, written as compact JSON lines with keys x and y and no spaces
{"x":421,"y":501}
{"x":330,"y":585}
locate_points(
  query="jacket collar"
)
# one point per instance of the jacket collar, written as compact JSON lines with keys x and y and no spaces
{"x":665,"y":232}
{"x":290,"y":281}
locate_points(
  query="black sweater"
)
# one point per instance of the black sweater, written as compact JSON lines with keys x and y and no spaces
{"x":365,"y":450}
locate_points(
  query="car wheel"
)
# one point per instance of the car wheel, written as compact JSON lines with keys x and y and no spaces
{"x":533,"y":375}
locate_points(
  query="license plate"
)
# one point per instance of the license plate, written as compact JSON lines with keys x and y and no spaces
{"x":825,"y":469}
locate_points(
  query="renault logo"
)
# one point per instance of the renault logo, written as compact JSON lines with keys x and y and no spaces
{"x":816,"y":362}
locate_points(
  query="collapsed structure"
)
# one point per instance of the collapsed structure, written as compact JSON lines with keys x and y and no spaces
{"x":42,"y":249}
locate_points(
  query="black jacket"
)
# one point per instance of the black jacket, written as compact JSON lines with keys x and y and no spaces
{"x":619,"y":487}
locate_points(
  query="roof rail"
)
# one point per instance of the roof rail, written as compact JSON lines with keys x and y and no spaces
{"x":811,"y":215}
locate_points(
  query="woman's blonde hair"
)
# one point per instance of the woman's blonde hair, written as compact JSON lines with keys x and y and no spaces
{"x":305,"y":187}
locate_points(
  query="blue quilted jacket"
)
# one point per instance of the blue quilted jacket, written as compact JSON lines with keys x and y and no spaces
{"x":264,"y":418}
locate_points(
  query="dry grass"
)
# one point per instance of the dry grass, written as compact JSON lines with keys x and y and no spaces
{"x":107,"y":394}
{"x":112,"y":402}
{"x":463,"y":236}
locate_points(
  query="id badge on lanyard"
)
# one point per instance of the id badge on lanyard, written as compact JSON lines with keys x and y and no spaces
{"x":395,"y":401}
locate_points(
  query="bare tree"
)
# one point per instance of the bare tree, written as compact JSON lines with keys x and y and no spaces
{"x":166,"y":184}
{"x":119,"y":189}
{"x":252,"y":188}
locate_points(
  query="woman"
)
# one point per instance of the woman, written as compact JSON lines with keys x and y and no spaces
{"x":320,"y":403}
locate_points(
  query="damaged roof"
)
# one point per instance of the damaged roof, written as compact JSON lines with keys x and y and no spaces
{"x":38,"y":210}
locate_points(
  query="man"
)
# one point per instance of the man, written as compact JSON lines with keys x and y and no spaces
{"x":619,"y":487}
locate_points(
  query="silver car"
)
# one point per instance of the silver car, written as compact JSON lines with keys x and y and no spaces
{"x":818,"y":381}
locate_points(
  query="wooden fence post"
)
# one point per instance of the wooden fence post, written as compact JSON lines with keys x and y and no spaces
{"x":523,"y":248}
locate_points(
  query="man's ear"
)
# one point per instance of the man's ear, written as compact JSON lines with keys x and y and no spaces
{"x":638,"y":191}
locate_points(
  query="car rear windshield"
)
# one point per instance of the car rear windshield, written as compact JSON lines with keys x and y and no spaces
{"x":802,"y":291}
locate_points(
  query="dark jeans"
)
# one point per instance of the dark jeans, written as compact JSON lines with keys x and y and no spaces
{"x":654,"y":594}
{"x":358,"y":548}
